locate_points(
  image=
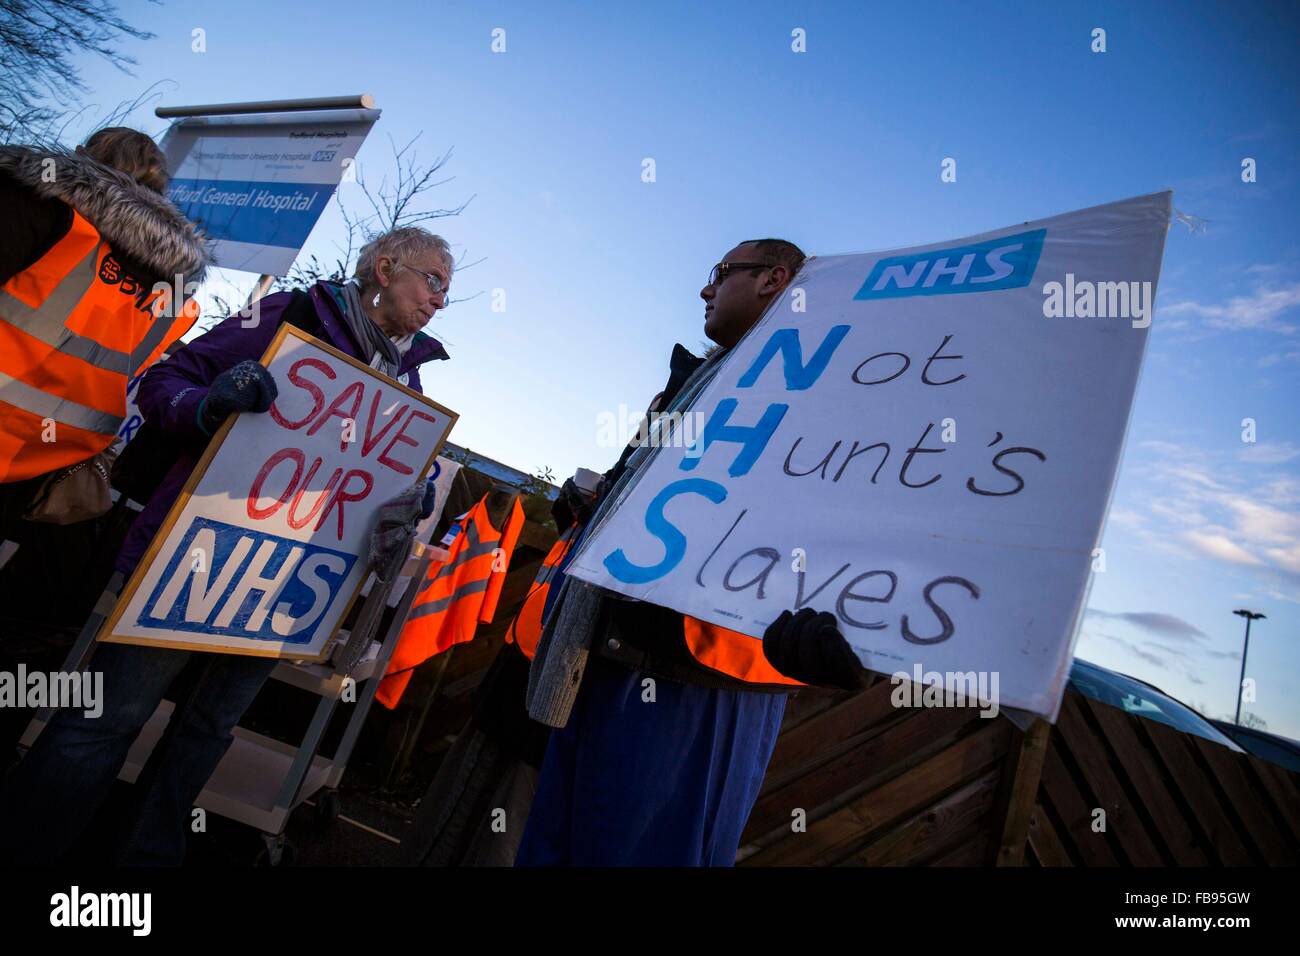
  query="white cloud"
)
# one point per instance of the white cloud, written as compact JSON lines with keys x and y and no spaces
{"x":1270,"y":360}
{"x":1287,"y":557}
{"x":1261,"y":309}
{"x":1269,"y":453}
{"x":1219,"y":547}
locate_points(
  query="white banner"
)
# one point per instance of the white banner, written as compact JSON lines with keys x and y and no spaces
{"x":257,"y":184}
{"x":267,"y":546}
{"x":921,"y":441}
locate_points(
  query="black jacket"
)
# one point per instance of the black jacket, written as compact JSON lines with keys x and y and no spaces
{"x":648,"y":637}
{"x":39,"y":189}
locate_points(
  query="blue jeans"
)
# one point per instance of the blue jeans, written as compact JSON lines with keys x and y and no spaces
{"x":51,"y":796}
{"x":633,"y":783}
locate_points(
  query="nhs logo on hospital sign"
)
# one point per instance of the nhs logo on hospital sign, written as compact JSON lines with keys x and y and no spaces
{"x":1005,"y":263}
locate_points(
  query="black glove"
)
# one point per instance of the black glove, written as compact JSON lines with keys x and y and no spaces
{"x":809,"y":647}
{"x":248,"y":387}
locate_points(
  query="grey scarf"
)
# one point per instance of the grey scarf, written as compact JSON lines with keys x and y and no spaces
{"x":387,"y":356}
{"x":561,"y":655}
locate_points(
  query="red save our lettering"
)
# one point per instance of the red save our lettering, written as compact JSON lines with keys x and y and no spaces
{"x":318,"y":396}
{"x":297,"y":485}
{"x":400,"y":467}
{"x":353,"y":485}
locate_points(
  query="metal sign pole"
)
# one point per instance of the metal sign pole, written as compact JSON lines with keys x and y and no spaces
{"x":263,"y":286}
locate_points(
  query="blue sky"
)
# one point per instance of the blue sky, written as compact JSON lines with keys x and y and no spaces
{"x":838,"y":149}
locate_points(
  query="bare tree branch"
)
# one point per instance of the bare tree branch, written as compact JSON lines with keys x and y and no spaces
{"x":38,"y":40}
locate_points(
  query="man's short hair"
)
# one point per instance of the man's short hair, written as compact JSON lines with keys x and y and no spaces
{"x":131,"y":152}
{"x":778,"y":252}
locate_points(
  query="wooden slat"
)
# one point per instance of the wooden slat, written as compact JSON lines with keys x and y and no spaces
{"x":933,"y":829}
{"x":821,"y":738}
{"x":1044,"y":842}
{"x":1230,"y":770}
{"x":1090,"y":753}
{"x":806,"y":704}
{"x":1175,"y":750}
{"x":1281,"y":787}
{"x":1017,"y":792}
{"x":1143,"y":770}
{"x":971,"y":850}
{"x":1075,"y":811}
{"x":857,"y":769}
{"x":836,"y":836}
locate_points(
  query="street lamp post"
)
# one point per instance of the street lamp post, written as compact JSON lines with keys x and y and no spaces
{"x":1249,"y":616}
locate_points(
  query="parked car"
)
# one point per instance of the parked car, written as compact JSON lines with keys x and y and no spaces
{"x":1282,"y":751}
{"x":1134,"y":696}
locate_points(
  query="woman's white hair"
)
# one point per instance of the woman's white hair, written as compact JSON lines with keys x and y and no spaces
{"x":400,"y":244}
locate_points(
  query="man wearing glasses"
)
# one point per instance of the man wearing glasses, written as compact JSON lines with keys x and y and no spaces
{"x":665,"y":723}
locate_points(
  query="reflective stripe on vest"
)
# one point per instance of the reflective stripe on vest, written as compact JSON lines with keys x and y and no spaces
{"x":454,"y":597}
{"x":526,"y":629}
{"x":74,"y":329}
{"x":476,"y":548}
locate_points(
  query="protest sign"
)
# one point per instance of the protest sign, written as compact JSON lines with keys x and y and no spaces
{"x":921,"y":441}
{"x":257,"y":184}
{"x":266,"y":548}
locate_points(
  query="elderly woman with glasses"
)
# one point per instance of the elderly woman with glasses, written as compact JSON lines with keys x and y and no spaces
{"x":47,"y":801}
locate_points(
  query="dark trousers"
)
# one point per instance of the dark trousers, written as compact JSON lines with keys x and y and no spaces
{"x":49,"y":798}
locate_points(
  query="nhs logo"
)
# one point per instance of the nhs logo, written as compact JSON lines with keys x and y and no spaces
{"x":1006,"y":263}
{"x":240,"y":583}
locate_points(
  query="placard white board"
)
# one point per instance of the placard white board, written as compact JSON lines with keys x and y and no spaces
{"x":922,"y":441}
{"x":266,"y":548}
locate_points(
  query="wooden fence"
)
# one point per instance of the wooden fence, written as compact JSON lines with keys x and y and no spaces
{"x":855,"y":781}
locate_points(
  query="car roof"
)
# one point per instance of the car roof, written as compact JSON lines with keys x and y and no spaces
{"x":1180,"y":716}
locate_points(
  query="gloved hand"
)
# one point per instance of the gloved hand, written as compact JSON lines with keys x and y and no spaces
{"x":809,"y":647}
{"x":390,"y":541}
{"x":248,"y":387}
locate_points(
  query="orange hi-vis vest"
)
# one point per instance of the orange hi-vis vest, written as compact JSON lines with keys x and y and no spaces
{"x":717,"y":648}
{"x":455,"y":596}
{"x":526,"y":629}
{"x":74,"y":330}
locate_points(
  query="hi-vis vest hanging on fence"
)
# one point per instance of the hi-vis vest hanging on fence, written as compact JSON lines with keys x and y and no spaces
{"x":526,"y":629}
{"x":74,"y":330}
{"x":717,"y":648}
{"x":455,"y":597}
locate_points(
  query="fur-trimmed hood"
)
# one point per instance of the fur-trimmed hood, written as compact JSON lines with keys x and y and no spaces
{"x":134,"y":220}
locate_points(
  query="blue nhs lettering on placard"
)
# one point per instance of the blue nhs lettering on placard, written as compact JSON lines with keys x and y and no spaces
{"x":720,"y":429}
{"x":1005,"y":263}
{"x":226,"y":580}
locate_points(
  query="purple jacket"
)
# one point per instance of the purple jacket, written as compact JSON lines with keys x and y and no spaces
{"x":171,"y":392}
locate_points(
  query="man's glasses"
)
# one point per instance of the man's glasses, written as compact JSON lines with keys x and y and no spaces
{"x":435,"y":281}
{"x":724,"y":269}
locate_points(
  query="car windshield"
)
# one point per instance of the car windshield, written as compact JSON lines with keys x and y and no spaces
{"x":1135,"y":697}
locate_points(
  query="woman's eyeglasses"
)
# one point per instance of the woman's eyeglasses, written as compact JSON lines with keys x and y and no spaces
{"x":435,"y":281}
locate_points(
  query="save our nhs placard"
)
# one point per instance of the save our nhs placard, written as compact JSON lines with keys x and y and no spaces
{"x":256,"y":184}
{"x":922,"y":442}
{"x":265,"y":550}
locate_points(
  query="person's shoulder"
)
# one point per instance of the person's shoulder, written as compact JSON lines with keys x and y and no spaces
{"x":425,"y":348}
{"x":33,"y":224}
